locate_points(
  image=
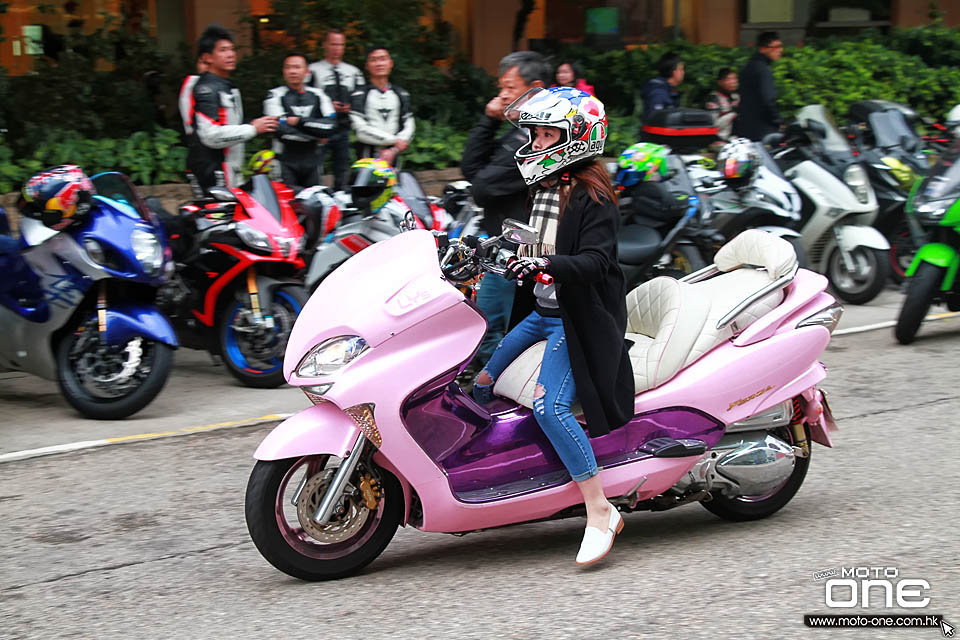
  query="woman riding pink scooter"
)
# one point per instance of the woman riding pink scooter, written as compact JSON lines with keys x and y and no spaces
{"x":583,"y":316}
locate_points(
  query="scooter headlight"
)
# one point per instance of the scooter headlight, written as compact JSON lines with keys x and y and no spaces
{"x":254,"y":238}
{"x":330,"y":356}
{"x":147,"y":249}
{"x":856,"y":178}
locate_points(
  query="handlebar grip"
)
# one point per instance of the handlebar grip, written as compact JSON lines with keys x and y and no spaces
{"x":544,"y":279}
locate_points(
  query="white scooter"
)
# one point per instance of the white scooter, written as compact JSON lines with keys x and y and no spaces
{"x":839,"y":205}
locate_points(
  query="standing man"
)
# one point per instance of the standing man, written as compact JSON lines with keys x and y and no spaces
{"x":661,"y":92}
{"x":307,"y":120}
{"x":380,"y":111}
{"x":488,"y":163}
{"x":338,"y":80}
{"x":216,"y":144}
{"x":759,"y":114}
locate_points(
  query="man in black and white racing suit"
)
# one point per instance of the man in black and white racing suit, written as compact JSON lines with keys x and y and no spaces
{"x":216,"y":143}
{"x":307,"y":119}
{"x":380,"y":112}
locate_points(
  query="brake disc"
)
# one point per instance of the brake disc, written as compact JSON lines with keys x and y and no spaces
{"x":346,"y":521}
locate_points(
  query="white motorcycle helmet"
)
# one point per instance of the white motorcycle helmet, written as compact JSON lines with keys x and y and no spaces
{"x":737,"y":159}
{"x":953,"y":122}
{"x":580,"y":117}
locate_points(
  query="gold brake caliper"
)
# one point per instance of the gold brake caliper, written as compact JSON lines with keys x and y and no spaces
{"x":370,"y":490}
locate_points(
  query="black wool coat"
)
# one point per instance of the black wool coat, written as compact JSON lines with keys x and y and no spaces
{"x":758,"y":112}
{"x":591,"y":293}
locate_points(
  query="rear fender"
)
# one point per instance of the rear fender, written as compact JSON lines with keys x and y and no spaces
{"x":320,"y":429}
{"x":125,"y":322}
{"x":818,"y":416}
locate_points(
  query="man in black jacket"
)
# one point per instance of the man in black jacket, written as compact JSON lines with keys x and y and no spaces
{"x":758,"y":114}
{"x":488,"y":163}
{"x":306,"y":120}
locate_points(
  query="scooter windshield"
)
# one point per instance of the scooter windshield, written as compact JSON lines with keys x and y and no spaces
{"x":890,"y":129}
{"x":827,"y":133}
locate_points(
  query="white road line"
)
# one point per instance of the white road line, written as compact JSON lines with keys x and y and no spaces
{"x":182,"y":431}
{"x":892,"y":323}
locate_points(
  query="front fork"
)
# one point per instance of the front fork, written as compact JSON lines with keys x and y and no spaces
{"x":259,"y":318}
{"x":102,"y":311}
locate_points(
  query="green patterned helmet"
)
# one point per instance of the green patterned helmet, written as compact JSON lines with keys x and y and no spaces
{"x":642,"y":162}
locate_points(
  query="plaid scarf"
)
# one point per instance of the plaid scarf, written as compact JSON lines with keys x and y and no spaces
{"x":544,"y":216}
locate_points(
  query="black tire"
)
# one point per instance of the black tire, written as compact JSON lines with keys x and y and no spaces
{"x":921,"y":290}
{"x":291,"y":298}
{"x":798,"y":249}
{"x":857,"y":289}
{"x":746,"y":508}
{"x":159,"y":358}
{"x":266,"y":488}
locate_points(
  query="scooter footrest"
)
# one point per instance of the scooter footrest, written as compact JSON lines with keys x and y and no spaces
{"x":671,"y":448}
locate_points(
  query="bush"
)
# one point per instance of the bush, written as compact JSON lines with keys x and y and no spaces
{"x":146,"y":158}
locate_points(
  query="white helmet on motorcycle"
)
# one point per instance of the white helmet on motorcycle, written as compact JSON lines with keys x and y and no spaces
{"x":953,"y":121}
{"x":737,"y":159}
{"x":580,"y":117}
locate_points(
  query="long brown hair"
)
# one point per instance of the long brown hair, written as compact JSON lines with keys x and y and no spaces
{"x":594,"y":179}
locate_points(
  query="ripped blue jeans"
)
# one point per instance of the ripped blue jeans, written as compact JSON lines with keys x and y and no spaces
{"x":552,"y":409}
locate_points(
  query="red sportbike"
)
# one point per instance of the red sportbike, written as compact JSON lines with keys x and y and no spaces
{"x":234,"y":291}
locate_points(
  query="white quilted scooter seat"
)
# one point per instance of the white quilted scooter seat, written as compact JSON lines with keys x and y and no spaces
{"x":673,"y":323}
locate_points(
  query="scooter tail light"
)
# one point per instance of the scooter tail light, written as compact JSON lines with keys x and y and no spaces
{"x":828,"y":317}
{"x":362,"y":415}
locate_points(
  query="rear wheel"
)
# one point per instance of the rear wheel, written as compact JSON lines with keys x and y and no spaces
{"x":867,"y":278}
{"x":285,"y":534}
{"x":745,"y":508}
{"x":253,"y":350}
{"x":921,"y":289}
{"x":110,"y":382}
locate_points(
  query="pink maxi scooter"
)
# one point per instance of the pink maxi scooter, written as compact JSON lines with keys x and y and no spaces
{"x":727,"y":406}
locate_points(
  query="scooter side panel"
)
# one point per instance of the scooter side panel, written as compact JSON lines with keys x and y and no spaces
{"x":806,"y":287}
{"x":732,"y":383}
{"x":441,"y":512}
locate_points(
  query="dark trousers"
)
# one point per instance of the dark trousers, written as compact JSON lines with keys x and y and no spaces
{"x":298,"y":173}
{"x":338,"y":147}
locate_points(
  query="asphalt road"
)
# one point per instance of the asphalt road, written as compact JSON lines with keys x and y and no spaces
{"x":148,"y":539}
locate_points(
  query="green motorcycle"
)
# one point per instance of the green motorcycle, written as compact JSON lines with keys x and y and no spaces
{"x":933,"y":211}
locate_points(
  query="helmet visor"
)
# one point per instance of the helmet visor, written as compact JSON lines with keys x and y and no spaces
{"x":513,"y":112}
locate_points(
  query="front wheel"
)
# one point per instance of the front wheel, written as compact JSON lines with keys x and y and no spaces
{"x":110,"y":382}
{"x":282,"y":496}
{"x":921,"y":289}
{"x":253,"y":348}
{"x":867,"y":278}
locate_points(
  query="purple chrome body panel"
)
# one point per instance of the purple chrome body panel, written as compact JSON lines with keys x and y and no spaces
{"x":490,"y":456}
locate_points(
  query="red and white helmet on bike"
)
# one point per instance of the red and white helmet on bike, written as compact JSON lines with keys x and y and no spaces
{"x":580,"y":117}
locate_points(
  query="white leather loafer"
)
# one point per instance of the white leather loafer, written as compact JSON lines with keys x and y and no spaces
{"x":596,"y":543}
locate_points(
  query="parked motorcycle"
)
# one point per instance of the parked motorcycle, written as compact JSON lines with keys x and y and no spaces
{"x":932,"y":276}
{"x":763,"y":200}
{"x":348,"y":230}
{"x":894,"y":157}
{"x":662,"y":230}
{"x":391,"y":440}
{"x":235,"y":292}
{"x":838,"y":205}
{"x":77,"y":305}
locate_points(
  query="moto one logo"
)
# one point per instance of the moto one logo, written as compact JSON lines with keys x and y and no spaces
{"x":859,"y":586}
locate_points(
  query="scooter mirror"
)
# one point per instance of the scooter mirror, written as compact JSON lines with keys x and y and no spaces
{"x":519,"y":232}
{"x":222,"y":194}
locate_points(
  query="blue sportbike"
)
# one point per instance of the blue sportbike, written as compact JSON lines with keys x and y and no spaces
{"x":78,"y":305}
